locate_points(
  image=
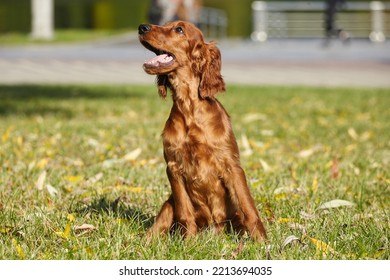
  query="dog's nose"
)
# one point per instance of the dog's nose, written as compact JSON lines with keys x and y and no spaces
{"x":143,"y":28}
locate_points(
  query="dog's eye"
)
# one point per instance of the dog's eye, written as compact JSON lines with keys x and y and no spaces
{"x":179,"y":30}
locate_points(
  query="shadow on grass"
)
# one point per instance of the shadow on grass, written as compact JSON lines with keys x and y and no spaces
{"x":117,"y":209}
{"x":27,"y":92}
{"x":45,"y":99}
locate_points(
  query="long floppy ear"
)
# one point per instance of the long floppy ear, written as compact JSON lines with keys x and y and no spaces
{"x":211,"y":81}
{"x":162,"y":81}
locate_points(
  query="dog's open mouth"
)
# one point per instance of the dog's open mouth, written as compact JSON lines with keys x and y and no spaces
{"x":160,"y":60}
{"x":163,"y":58}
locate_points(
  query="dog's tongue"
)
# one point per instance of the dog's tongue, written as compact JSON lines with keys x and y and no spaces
{"x":158,"y":60}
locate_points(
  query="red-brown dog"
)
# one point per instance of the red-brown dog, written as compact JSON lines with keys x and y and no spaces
{"x":208,"y":185}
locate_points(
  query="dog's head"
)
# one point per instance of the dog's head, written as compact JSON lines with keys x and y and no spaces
{"x":180,"y":47}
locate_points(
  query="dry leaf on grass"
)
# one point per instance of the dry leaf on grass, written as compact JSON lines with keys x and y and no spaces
{"x":291,"y":223}
{"x":335,"y":170}
{"x":265,"y":166}
{"x":133,"y":155}
{"x":51,"y":190}
{"x":247,"y":150}
{"x":297,"y":226}
{"x":352,"y":133}
{"x":252,"y":117}
{"x":290,"y":240}
{"x":336,"y":203}
{"x":85,"y":227}
{"x":93,"y":180}
{"x":41,"y":180}
{"x":306,"y":216}
{"x":309,"y":152}
{"x":109,"y":163}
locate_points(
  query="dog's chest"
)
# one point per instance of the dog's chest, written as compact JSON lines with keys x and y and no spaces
{"x":195,"y":142}
{"x":190,"y":148}
{"x":187,"y":146}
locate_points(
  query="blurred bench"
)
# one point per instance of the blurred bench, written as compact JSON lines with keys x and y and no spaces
{"x":213,"y":22}
{"x":305,"y":19}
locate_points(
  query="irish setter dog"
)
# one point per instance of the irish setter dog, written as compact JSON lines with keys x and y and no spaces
{"x":209,"y":187}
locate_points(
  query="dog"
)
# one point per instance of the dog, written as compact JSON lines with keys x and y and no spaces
{"x":209,"y":187}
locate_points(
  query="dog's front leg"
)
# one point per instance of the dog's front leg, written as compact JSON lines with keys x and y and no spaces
{"x":184,"y":210}
{"x":164,"y":219}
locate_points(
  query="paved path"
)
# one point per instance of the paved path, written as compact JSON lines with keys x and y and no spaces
{"x":284,"y":62}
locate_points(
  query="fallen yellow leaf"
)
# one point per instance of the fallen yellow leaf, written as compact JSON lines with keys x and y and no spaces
{"x":19,"y":249}
{"x":280,"y":196}
{"x":294,"y":176}
{"x":314,"y":186}
{"x":322,"y":246}
{"x":6,"y":134}
{"x":135,"y":189}
{"x":74,"y":179}
{"x":286,"y":220}
{"x":268,"y":212}
{"x":19,"y":141}
{"x":5,"y":229}
{"x":67,"y":230}
{"x":64,"y":234}
{"x":42,"y":163}
{"x":130,"y":189}
{"x":70,"y":217}
{"x":89,"y":251}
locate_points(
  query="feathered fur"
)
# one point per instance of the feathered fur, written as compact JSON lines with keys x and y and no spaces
{"x":208,"y":185}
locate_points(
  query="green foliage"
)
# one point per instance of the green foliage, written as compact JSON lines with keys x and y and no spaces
{"x":239,"y":15}
{"x":15,"y":16}
{"x":82,"y":173}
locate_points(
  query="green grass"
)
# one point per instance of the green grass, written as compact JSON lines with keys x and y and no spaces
{"x":74,"y":155}
{"x":61,"y":36}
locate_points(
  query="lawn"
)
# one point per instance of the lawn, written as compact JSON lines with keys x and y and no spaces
{"x":82,"y":173}
{"x":62,"y":36}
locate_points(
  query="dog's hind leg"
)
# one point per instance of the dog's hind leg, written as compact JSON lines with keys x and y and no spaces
{"x":245,"y":205}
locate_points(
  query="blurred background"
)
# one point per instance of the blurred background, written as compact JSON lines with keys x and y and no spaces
{"x":236,"y":16}
{"x":278,"y":36}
